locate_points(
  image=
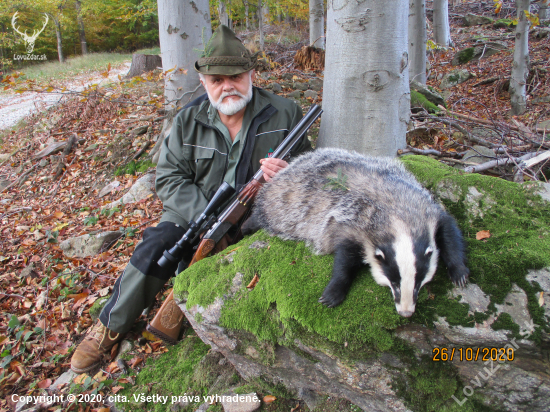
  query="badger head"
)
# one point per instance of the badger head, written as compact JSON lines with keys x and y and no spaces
{"x":404,"y":260}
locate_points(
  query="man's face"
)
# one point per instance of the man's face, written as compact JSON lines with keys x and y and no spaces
{"x":229,"y":94}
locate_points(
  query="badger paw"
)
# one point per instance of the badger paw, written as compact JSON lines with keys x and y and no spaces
{"x":459,"y":275}
{"x":332,"y":297}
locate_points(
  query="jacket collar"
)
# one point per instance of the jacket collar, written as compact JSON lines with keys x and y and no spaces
{"x":253,"y":108}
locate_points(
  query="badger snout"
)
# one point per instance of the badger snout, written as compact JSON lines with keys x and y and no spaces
{"x":406,"y":313}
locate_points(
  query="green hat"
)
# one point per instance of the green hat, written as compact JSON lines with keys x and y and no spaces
{"x":225,"y":54}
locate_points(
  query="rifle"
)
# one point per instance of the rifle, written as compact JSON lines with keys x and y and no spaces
{"x":167,"y":322}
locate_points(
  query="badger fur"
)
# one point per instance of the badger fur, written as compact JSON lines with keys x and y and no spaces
{"x":365,"y":210}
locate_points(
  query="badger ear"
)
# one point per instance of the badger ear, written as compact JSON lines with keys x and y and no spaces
{"x":379,"y":254}
{"x":429,"y":251}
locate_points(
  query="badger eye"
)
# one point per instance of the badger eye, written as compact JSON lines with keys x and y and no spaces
{"x":379,"y":255}
{"x":429,"y":251}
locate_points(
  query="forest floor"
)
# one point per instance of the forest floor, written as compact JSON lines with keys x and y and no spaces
{"x":46,"y":297}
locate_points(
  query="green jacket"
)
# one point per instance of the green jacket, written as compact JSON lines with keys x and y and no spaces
{"x":193,"y":159}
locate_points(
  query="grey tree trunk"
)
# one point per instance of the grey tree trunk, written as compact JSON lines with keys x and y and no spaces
{"x":81,"y":32}
{"x":246,"y":17}
{"x":442,"y":30}
{"x":222,"y":13}
{"x":261,"y":24}
{"x":316,"y":23}
{"x":183,"y":27}
{"x":543,"y":7}
{"x":366,"y":90}
{"x":417,"y":40}
{"x":57,"y":25}
{"x":520,"y":65}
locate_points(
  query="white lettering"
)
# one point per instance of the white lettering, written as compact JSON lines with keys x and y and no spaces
{"x":460,"y":403}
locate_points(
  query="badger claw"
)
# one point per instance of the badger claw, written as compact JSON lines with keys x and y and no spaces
{"x":459,"y":276}
{"x":331,"y":299}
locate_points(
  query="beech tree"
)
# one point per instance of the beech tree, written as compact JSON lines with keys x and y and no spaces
{"x":81,"y":31}
{"x":316,"y":23}
{"x":184,"y":30}
{"x":520,"y":65}
{"x":366,"y":95}
{"x":417,"y":40}
{"x":441,"y":27}
{"x":222,"y":13}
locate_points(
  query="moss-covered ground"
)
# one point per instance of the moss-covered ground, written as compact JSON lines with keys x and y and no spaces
{"x":283,"y":305}
{"x":419,"y":100}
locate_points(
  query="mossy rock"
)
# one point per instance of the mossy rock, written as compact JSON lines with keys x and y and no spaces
{"x":97,"y":307}
{"x":504,"y":24}
{"x":418,"y":100}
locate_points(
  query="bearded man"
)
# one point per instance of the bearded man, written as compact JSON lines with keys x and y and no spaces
{"x":224,"y":135}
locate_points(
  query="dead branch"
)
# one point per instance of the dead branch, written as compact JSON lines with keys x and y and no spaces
{"x":498,"y":162}
{"x":20,"y":179}
{"x":142,"y":150}
{"x":66,"y":152}
{"x":427,"y":152}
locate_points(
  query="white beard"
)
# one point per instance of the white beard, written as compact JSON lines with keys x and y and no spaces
{"x":232,"y":106}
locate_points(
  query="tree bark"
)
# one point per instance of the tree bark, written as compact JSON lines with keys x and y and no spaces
{"x":543,"y":7}
{"x":183,"y":28}
{"x":246,"y":16}
{"x":261,"y":24}
{"x":316,"y":24}
{"x":81,"y":32}
{"x":59,"y":39}
{"x":520,"y":65}
{"x":142,"y":63}
{"x":366,"y":91}
{"x":442,"y":30}
{"x":417,"y":40}
{"x":222,"y":13}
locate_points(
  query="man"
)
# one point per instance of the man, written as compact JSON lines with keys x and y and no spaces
{"x":222,"y":136}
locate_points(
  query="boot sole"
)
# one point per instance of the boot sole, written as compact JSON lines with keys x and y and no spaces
{"x":160,"y":335}
{"x":77,"y":370}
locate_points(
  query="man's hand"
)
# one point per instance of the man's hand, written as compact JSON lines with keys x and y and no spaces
{"x":270,"y":167}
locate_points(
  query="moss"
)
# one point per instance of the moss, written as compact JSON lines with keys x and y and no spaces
{"x":172,"y":374}
{"x":96,"y":308}
{"x":464,"y":56}
{"x":419,"y":100}
{"x":291,"y":282}
{"x":134,"y":167}
{"x":505,"y":322}
{"x":503,"y":24}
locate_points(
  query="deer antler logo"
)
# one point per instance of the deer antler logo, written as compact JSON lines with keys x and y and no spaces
{"x":29,"y":40}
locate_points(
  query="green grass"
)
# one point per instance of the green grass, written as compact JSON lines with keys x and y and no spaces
{"x":53,"y":70}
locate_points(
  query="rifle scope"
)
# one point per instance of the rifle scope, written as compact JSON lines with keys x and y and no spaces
{"x":175,"y":255}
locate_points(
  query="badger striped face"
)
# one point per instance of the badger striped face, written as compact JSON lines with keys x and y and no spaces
{"x":405,"y":263}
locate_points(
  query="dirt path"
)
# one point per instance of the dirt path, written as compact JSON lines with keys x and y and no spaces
{"x":14,"y":107}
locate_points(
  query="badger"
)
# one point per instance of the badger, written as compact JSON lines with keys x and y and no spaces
{"x":367,"y":211}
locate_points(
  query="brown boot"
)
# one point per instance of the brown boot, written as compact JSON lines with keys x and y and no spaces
{"x":97,"y":342}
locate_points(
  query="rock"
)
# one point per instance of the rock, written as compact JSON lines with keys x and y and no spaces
{"x":22,"y":405}
{"x":473,"y":296}
{"x":276,"y":87}
{"x":97,"y":307}
{"x":287,"y":76}
{"x":478,"y":52}
{"x":91,"y":147}
{"x":503,"y":24}
{"x":311,"y":399}
{"x":28,"y":270}
{"x":179,"y":406}
{"x":541,"y":99}
{"x":543,"y":190}
{"x":515,"y":304}
{"x":4,"y":157}
{"x":310,"y":93}
{"x":65,"y":379}
{"x":258,"y":245}
{"x":478,"y":155}
{"x":203,"y":407}
{"x":315,"y":84}
{"x":454,"y":77}
{"x":109,"y":188}
{"x":542,"y":277}
{"x":300,"y":86}
{"x":241,"y":403}
{"x":264,"y":75}
{"x":545,"y":124}
{"x":419,"y":101}
{"x":140,"y":190}
{"x":296,"y":94}
{"x":89,"y":245}
{"x":475,"y":20}
{"x":43,"y":163}
{"x":139,"y":130}
{"x":428,"y":92}
{"x":125,"y":346}
{"x":4,"y":183}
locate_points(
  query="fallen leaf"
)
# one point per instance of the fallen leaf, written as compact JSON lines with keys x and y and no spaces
{"x":269,"y":398}
{"x":483,"y":234}
{"x":58,"y":214}
{"x":149,"y":336}
{"x":46,"y":383}
{"x":295,"y":408}
{"x":115,"y":389}
{"x":79,"y":380}
{"x":135,"y":362}
{"x":253,"y":282}
{"x":541,"y":299}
